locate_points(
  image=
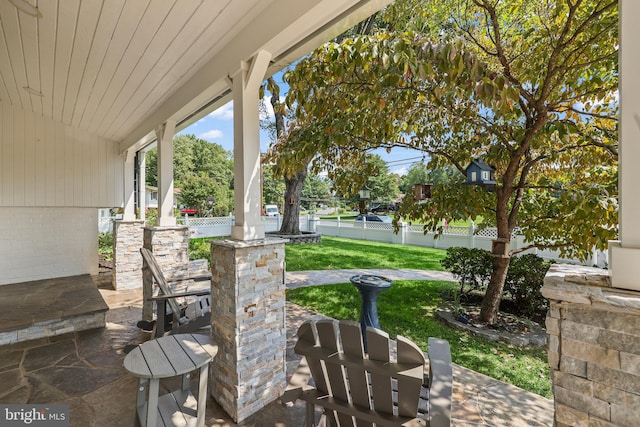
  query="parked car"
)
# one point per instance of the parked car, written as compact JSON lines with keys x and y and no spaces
{"x":271,"y":210}
{"x":375,"y":218}
{"x":390,"y":207}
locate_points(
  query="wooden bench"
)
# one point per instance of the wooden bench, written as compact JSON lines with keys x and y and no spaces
{"x":183,"y":319}
{"x":360,"y":389}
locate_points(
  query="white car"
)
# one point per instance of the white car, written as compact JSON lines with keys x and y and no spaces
{"x":271,"y":210}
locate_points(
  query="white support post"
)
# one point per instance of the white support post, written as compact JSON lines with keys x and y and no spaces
{"x":129,"y":186}
{"x":624,"y":255}
{"x":142,"y":183}
{"x":246,"y":148}
{"x":472,"y":235}
{"x":165,"y":134}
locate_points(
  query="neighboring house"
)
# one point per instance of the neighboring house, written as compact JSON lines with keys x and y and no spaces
{"x":151,"y":197}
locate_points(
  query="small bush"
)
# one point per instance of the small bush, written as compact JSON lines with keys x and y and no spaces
{"x":524,"y":280}
{"x":471,"y":267}
{"x":200,"y":249}
{"x":105,"y":246}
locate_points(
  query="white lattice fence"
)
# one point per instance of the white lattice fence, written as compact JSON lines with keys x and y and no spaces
{"x":456,"y":230}
{"x":490,"y":232}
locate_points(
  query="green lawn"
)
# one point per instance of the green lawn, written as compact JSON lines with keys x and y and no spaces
{"x":408,"y":307}
{"x":336,"y":253}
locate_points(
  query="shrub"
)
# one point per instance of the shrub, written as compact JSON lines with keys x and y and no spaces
{"x":524,"y":280}
{"x":200,"y":249}
{"x":471,"y":267}
{"x":105,"y":246}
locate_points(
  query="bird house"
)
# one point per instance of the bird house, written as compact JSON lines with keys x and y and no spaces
{"x":480,"y":173}
{"x":421,"y":191}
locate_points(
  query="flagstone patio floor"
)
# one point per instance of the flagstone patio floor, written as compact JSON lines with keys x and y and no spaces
{"x":84,"y":370}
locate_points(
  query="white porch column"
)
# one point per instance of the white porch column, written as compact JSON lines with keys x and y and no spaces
{"x":624,"y":255}
{"x":142,"y":183}
{"x":165,"y":134}
{"x":129,"y":186}
{"x":246,"y":147}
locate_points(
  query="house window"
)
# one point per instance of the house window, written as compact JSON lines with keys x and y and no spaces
{"x":153,"y":196}
{"x":485,"y":175}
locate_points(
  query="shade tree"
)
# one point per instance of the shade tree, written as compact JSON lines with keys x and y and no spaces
{"x":528,"y":87}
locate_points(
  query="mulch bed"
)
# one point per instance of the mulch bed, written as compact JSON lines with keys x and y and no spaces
{"x":509,"y":318}
{"x":104,"y":266}
{"x":504,"y":321}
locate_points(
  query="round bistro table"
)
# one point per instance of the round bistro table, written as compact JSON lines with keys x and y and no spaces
{"x":166,"y":357}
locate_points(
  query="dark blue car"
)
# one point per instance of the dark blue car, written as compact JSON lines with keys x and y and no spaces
{"x":375,"y":218}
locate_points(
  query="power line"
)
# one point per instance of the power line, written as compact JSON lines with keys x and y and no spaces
{"x":404,"y":160}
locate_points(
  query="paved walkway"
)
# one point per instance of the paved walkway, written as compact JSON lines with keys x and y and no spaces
{"x":297,"y":279}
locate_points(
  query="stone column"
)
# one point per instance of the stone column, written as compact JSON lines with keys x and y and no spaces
{"x":127,"y":261}
{"x":170,"y":247}
{"x":248,"y":324}
{"x":594,"y":348}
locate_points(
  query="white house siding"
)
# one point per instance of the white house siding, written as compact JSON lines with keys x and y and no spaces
{"x":53,"y":178}
{"x":40,"y":243}
{"x":45,"y":163}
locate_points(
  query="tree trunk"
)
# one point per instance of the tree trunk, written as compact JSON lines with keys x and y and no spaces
{"x":292,"y":192}
{"x":501,"y":257}
{"x":294,"y":183}
{"x":493,"y":296}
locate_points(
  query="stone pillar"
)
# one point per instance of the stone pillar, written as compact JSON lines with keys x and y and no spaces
{"x":170,"y":247}
{"x":127,"y":261}
{"x":248,"y":324}
{"x":594,"y":348}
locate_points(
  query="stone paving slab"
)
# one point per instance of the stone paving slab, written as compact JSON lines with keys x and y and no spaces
{"x":42,"y":308}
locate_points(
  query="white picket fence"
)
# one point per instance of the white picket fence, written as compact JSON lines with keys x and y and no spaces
{"x":413,"y":234}
{"x":408,"y":234}
{"x":207,"y":227}
{"x":221,"y":226}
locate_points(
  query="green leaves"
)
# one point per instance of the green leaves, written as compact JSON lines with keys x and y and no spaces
{"x":527,"y":86}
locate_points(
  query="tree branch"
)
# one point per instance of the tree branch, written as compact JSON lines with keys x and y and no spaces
{"x":541,"y":246}
{"x":587,"y":113}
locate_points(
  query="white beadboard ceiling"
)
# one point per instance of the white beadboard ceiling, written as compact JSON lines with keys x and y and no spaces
{"x":119,"y":68}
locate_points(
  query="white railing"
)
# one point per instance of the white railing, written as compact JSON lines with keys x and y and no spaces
{"x":408,"y":234}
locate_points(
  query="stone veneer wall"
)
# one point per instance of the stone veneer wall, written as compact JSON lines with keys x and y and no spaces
{"x":248,"y":324}
{"x":127,"y":261}
{"x":594,"y":348}
{"x":170,"y":248}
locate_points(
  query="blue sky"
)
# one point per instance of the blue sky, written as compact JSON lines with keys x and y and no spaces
{"x":218,"y":127}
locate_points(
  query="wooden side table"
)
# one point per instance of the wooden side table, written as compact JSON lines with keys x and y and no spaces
{"x":167,"y":357}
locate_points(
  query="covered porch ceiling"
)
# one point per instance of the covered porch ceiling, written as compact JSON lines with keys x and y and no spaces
{"x":119,"y":68}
